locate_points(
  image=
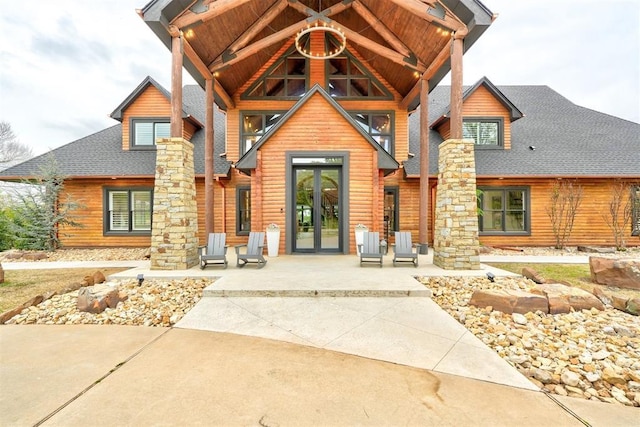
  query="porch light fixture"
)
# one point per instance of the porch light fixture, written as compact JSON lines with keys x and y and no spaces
{"x":324,"y":28}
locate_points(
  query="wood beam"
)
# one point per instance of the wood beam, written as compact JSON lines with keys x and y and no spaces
{"x":326,"y":13}
{"x":435,"y":65}
{"x":257,"y":26}
{"x":226,"y":98}
{"x":456,"y":89}
{"x":423,"y":210}
{"x":390,"y":54}
{"x":256,"y":47}
{"x":196,"y":61}
{"x":209,"y":138}
{"x":213,"y":9}
{"x":176,"y":87}
{"x":418,"y":8}
{"x":381,"y":29}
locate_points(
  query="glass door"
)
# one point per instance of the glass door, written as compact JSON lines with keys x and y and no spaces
{"x":317,"y":193}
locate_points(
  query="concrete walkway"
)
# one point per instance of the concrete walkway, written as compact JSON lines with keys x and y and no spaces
{"x":369,"y":347}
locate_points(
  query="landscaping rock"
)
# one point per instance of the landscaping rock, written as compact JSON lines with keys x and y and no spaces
{"x":533,"y":275}
{"x":594,"y":249}
{"x":624,"y":273}
{"x":96,"y":298}
{"x":633,"y":306}
{"x":11,"y":313}
{"x":35,"y":256}
{"x":98,"y":277}
{"x":563,"y":299}
{"x":509,"y":301}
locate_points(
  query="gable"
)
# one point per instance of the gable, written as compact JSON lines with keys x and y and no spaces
{"x":331,"y":125}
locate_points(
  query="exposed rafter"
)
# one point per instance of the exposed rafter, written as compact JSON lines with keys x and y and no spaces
{"x":326,"y":13}
{"x":223,"y":61}
{"x":381,"y":29}
{"x":384,"y":51}
{"x":417,"y":7}
{"x":258,"y":26}
{"x":210,"y":10}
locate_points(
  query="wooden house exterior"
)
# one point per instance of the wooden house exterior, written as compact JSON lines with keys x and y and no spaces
{"x":318,"y":146}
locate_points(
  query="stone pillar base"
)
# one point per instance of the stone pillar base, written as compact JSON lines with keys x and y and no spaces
{"x":174,"y":235}
{"x":455,"y":240}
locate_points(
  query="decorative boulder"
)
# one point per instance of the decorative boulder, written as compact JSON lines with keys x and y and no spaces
{"x":95,"y":299}
{"x":98,"y":277}
{"x":562,"y":299}
{"x":510,"y":301}
{"x":532,"y":275}
{"x":623,"y":273}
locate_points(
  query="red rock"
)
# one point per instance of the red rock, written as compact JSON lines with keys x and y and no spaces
{"x":95,"y":299}
{"x":624,"y":273}
{"x":533,"y":275}
{"x":509,"y":301}
{"x":98,"y":277}
{"x":564,"y":298}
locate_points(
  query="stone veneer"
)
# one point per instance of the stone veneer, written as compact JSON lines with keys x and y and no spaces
{"x":174,"y":235}
{"x":455,"y":241}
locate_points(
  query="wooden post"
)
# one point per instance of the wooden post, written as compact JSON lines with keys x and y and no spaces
{"x":209,"y":141}
{"x":176,"y":85}
{"x":456,"y":87}
{"x":423,"y":214}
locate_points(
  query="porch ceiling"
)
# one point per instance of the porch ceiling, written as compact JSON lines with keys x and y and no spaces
{"x":233,"y":39}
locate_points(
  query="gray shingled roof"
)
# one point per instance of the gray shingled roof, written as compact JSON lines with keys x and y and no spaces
{"x":569,"y":140}
{"x":101,"y":154}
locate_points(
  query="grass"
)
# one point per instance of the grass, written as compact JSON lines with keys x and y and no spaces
{"x":21,"y":285}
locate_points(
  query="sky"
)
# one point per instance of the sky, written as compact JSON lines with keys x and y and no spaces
{"x":65,"y":65}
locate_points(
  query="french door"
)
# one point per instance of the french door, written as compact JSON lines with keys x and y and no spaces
{"x":318,"y":207}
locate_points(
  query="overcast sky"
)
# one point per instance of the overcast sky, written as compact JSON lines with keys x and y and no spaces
{"x":65,"y":65}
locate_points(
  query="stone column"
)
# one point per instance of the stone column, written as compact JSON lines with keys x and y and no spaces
{"x":174,"y":235}
{"x":455,"y":241}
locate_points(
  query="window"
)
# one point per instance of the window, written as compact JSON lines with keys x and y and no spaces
{"x":128,"y":211}
{"x":253,"y":127}
{"x":487,"y":133}
{"x":347,"y":78}
{"x":504,"y":210}
{"x":379,"y":125}
{"x":243,"y":210}
{"x":390,"y":211}
{"x":287,"y":78}
{"x":635,"y":211}
{"x":145,"y":132}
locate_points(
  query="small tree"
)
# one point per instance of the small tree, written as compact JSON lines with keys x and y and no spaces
{"x":620,"y":211}
{"x":564,"y":202}
{"x":43,"y":208}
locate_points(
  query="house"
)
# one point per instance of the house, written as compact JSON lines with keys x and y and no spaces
{"x":318,"y":128}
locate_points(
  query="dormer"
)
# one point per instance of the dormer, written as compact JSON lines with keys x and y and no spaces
{"x":487,"y":116}
{"x":145,"y":117}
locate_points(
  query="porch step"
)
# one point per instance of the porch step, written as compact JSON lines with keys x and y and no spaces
{"x":310,"y":293}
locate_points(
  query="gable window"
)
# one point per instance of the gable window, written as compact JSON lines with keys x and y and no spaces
{"x":379,"y":125}
{"x":254,"y":125}
{"x":635,"y":211}
{"x":243,"y":210}
{"x":347,"y":78}
{"x":145,"y":132}
{"x":487,"y":133}
{"x":128,"y":210}
{"x":287,"y":78}
{"x":504,"y":210}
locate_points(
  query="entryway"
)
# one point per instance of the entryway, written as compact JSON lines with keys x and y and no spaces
{"x":318,"y":204}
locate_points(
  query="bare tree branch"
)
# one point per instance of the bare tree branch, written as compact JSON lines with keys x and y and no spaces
{"x":11,"y":150}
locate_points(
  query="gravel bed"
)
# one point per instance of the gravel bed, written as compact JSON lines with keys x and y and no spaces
{"x":154,"y":303}
{"x":589,"y":354}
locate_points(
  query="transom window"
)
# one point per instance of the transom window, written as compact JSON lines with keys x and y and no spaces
{"x":254,"y":125}
{"x":243,"y":210}
{"x":347,"y":78}
{"x":487,"y":133}
{"x":504,"y":210}
{"x":287,"y":78}
{"x":379,"y":125}
{"x":128,"y":211}
{"x":145,"y":132}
